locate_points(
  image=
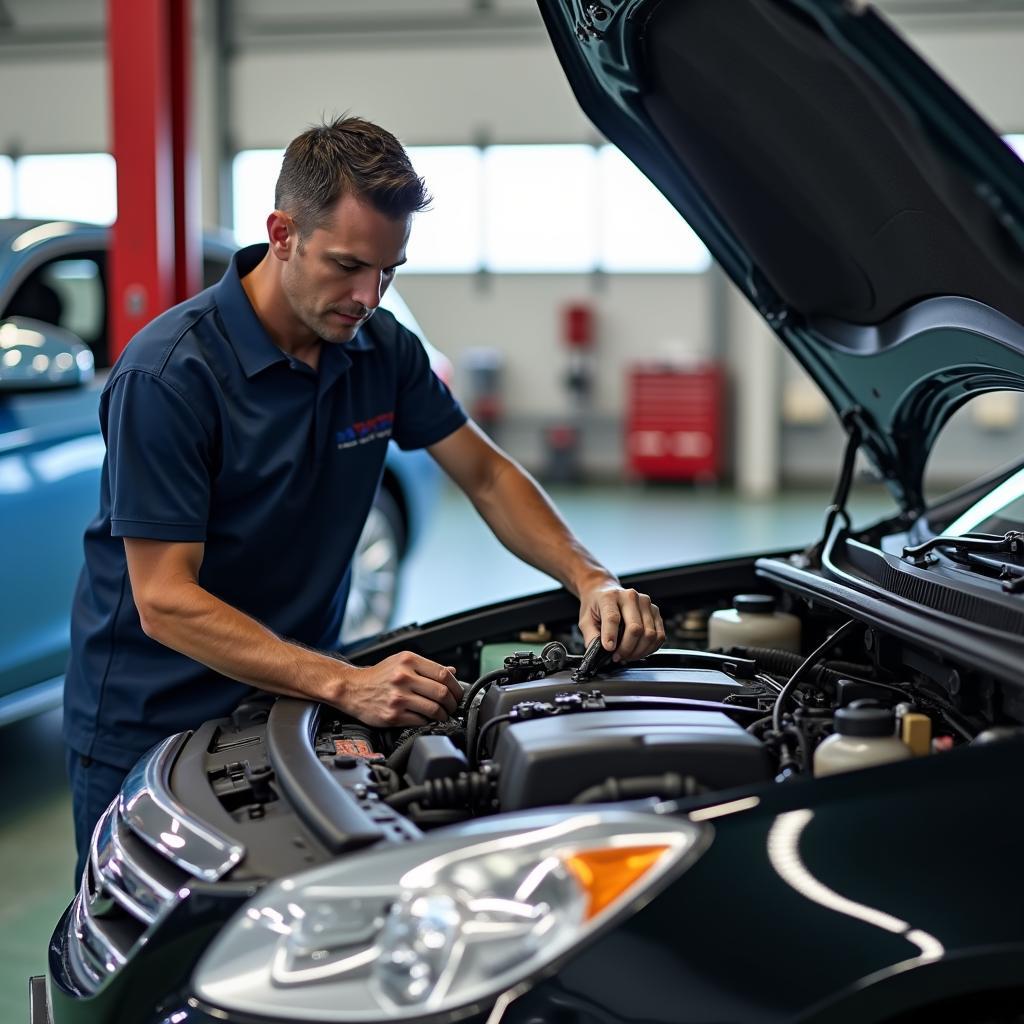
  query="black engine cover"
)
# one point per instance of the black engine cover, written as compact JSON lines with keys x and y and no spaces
{"x":690,"y":683}
{"x":551,"y":760}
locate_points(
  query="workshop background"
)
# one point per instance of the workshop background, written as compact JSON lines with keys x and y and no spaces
{"x":549,"y":272}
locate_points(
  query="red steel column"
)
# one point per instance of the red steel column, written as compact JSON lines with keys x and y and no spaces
{"x":188,"y":240}
{"x":155,"y":257}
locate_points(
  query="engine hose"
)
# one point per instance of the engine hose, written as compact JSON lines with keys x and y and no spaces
{"x":758,"y":727}
{"x":484,"y":680}
{"x":806,"y":665}
{"x":472,"y":790}
{"x":803,"y":754}
{"x":476,"y":749}
{"x":386,"y":777}
{"x":785,"y":663}
{"x":669,"y":786}
{"x":831,"y":672}
{"x":398,"y":760}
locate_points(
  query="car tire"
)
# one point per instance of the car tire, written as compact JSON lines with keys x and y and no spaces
{"x":375,"y":571}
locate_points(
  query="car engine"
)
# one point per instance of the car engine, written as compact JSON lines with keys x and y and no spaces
{"x":547,"y":723}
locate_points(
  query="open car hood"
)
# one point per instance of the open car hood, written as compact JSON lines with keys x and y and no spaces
{"x":871,"y":216}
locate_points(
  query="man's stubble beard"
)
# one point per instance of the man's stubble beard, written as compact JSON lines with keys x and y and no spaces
{"x":321,"y":327}
{"x":318,"y":323}
{"x":334,"y":335}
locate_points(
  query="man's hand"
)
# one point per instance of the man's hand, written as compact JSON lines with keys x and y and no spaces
{"x":608,"y":610}
{"x":402,"y":690}
{"x":176,"y":611}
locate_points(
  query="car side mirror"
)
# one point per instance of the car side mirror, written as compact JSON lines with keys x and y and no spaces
{"x":36,"y":356}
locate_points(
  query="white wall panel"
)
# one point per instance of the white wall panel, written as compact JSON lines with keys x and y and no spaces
{"x":54,"y":105}
{"x":753,"y":356}
{"x":507,"y":94}
{"x":982,"y":64}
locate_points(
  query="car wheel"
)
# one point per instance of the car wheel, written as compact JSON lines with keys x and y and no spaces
{"x":374,"y":590}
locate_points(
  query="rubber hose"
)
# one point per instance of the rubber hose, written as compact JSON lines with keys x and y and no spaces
{"x":484,"y":680}
{"x":470,"y":789}
{"x":785,"y":663}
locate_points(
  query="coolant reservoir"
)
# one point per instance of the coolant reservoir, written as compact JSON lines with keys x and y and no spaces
{"x":865,"y":735}
{"x":754,"y":621}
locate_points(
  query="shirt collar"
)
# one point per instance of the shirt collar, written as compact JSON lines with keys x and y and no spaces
{"x":246,"y":334}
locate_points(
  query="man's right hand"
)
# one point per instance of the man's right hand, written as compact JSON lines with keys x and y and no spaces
{"x":402,"y":690}
{"x":176,"y":611}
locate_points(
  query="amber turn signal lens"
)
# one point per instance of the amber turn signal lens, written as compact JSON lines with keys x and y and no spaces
{"x":605,"y":874}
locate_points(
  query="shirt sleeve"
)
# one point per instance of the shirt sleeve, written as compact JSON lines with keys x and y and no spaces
{"x":426,"y":411}
{"x":158,"y":461}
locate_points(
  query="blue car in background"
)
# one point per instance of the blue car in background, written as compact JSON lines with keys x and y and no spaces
{"x":53,"y":360}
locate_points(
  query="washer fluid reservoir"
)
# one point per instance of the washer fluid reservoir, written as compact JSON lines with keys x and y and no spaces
{"x":754,"y":621}
{"x":865,"y":735}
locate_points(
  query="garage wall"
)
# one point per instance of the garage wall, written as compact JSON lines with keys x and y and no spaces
{"x":638,"y":318}
{"x":983,"y":64}
{"x":53,"y":105}
{"x":54,"y":101}
{"x":458,"y":95}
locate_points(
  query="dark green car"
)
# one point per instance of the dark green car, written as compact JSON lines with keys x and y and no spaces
{"x":726,"y":831}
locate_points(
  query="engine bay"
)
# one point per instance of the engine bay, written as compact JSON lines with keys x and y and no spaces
{"x":681,"y":723}
{"x":543,"y":722}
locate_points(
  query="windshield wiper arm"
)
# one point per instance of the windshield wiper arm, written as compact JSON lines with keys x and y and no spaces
{"x":1010,"y":543}
{"x":1011,"y":576}
{"x":1014,"y":585}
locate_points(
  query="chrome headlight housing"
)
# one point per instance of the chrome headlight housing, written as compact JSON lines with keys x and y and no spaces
{"x":443,"y":924}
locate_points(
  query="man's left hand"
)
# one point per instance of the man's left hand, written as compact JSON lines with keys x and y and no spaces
{"x":627,"y":622}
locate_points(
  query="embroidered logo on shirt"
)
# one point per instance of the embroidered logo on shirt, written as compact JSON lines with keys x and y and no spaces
{"x":373,"y":429}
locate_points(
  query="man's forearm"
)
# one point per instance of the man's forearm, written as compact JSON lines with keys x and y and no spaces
{"x":193,"y":622}
{"x":401,"y":690}
{"x":524,"y":520}
{"x":627,"y":623}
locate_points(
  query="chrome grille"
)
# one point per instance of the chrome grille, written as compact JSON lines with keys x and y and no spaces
{"x":99,"y":951}
{"x":135,"y":879}
{"x":143,"y":851}
{"x":121,"y":896}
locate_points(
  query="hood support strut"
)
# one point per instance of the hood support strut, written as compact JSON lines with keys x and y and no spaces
{"x":811,"y":558}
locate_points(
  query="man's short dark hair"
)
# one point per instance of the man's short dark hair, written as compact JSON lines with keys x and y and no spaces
{"x":348,"y":156}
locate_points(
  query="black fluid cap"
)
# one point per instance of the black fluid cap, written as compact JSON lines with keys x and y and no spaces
{"x":865,"y":718}
{"x":759,"y":604}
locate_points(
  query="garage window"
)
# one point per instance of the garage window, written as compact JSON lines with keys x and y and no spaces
{"x":66,"y":186}
{"x":447,"y":237}
{"x":6,"y":186}
{"x":641,"y":232}
{"x":539,"y":209}
{"x":253,"y":177}
{"x":528,"y":209}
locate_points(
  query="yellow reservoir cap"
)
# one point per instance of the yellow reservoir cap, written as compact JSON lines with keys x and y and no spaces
{"x":916,"y":732}
{"x":605,"y":874}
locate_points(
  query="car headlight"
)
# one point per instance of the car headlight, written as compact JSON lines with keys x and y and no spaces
{"x":442,"y":924}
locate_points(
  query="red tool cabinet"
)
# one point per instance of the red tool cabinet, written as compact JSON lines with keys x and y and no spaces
{"x":674,"y":422}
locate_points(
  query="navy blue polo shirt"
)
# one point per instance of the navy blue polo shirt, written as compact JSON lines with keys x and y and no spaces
{"x":214,"y":434}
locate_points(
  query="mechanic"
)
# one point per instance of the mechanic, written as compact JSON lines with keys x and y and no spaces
{"x":246,"y":431}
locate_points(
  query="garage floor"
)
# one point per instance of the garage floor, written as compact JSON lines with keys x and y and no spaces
{"x":457,"y":564}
